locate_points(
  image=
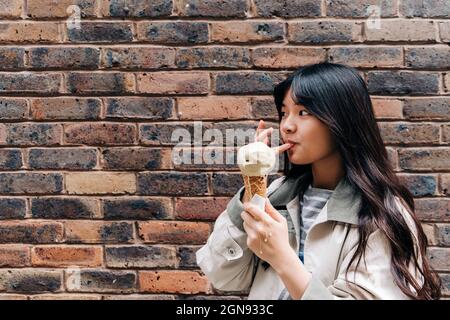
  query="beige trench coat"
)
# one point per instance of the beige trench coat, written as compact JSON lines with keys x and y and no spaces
{"x":231,"y":266}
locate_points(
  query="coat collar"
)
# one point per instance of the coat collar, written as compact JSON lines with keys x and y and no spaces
{"x":342,"y":206}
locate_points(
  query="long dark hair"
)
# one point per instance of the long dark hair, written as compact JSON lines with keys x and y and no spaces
{"x":337,"y":95}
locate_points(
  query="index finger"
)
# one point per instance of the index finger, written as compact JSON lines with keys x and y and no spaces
{"x":283,"y":147}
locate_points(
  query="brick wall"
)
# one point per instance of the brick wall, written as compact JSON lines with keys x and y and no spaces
{"x":91,"y":205}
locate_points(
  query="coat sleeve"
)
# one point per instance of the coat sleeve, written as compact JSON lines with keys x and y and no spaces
{"x":373,"y":280}
{"x":226,"y":259}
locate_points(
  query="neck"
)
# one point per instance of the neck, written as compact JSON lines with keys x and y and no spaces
{"x":328,"y":171}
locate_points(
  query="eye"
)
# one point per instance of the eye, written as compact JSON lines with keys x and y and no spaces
{"x":304,"y":113}
{"x":282,"y":113}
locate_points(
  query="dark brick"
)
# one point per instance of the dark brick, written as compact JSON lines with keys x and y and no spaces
{"x":187,"y":258}
{"x":425,"y":8}
{"x":161,"y":134}
{"x":427,"y":58}
{"x":439,"y":258}
{"x":11,"y":58}
{"x":64,"y":57}
{"x":137,"y":209}
{"x":367,"y":57}
{"x":10,"y":159}
{"x":26,"y":82}
{"x":153,"y":108}
{"x":173,"y":32}
{"x":419,"y":185}
{"x":433,"y":159}
{"x":66,"y":108}
{"x":264,"y":108}
{"x":12,"y":208}
{"x":226,"y":184}
{"x":324,"y":32}
{"x":409,"y":133}
{"x":12,"y":109}
{"x":403,"y":82}
{"x":212,"y":8}
{"x":427,"y":109}
{"x":33,"y":133}
{"x":360,"y":8}
{"x":288,"y":9}
{"x":138,"y":8}
{"x":433,"y":209}
{"x":105,"y":83}
{"x":63,"y":208}
{"x":100,"y":133}
{"x":138,"y":58}
{"x":205,"y":158}
{"x":102,"y":32}
{"x":445,"y":278}
{"x":32,"y":182}
{"x":247,"y":82}
{"x":169,"y":183}
{"x":128,"y":158}
{"x":141,"y":257}
{"x":62,"y":158}
{"x":30,"y":281}
{"x":213,"y":57}
{"x":101,"y":281}
{"x":443,"y":231}
{"x":31,"y":232}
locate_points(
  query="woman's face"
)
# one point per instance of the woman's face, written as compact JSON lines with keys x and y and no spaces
{"x":311,"y":137}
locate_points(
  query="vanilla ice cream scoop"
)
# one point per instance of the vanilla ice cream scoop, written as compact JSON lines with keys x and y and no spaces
{"x":256,"y":159}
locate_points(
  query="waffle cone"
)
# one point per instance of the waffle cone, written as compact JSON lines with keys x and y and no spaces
{"x":255,"y":185}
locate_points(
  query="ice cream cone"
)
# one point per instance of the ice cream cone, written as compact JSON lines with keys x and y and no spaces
{"x":255,"y":185}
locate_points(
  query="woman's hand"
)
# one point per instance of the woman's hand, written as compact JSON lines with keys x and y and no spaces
{"x":267,"y":234}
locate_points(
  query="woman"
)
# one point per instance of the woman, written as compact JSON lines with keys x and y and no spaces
{"x":338,"y":224}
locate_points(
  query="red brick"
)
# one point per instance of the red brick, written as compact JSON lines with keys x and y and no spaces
{"x":65,"y":296}
{"x":213,"y":57}
{"x":246,"y":31}
{"x":324,"y":32}
{"x":200,"y":209}
{"x":214,"y":108}
{"x":66,"y":256}
{"x":30,"y":182}
{"x":138,"y":57}
{"x":184,"y":282}
{"x":287,"y":57}
{"x":12,"y":256}
{"x":27,"y":82}
{"x":387,"y":108}
{"x":30,"y":32}
{"x":445,"y":184}
{"x":174,"y":232}
{"x":65,"y":108}
{"x":11,"y":8}
{"x":173,"y":82}
{"x":59,"y":9}
{"x":88,"y":231}
{"x":402,"y":30}
{"x":210,"y":8}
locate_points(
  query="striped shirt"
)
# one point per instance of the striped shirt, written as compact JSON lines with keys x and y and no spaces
{"x":314,"y":200}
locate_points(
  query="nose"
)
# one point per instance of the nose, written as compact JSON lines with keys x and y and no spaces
{"x":288,"y":126}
